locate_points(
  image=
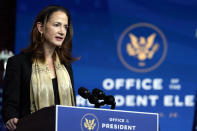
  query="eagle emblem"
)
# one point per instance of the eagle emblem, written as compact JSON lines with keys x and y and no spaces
{"x":89,"y":124}
{"x":142,"y":48}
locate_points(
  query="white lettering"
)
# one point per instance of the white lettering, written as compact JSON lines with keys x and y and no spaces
{"x":119,"y":100}
{"x":153,"y":99}
{"x":80,"y":101}
{"x":146,"y":84}
{"x":108,"y":84}
{"x":168,"y":100}
{"x":129,"y":83}
{"x":138,"y":84}
{"x":189,"y":100}
{"x":177,"y":102}
{"x":157,"y":84}
{"x":130,"y":100}
{"x":119,"y":83}
{"x":141,"y":100}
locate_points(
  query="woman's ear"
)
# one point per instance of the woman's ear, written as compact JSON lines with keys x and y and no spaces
{"x":40,"y":27}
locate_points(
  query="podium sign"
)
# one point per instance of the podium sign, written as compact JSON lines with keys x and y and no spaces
{"x":91,"y":119}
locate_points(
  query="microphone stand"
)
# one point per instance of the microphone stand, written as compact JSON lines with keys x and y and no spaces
{"x":98,"y":105}
{"x":113,"y":106}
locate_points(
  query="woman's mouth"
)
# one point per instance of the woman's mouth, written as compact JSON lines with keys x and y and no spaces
{"x":58,"y":38}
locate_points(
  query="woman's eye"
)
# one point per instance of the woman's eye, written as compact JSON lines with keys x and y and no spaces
{"x":56,"y":25}
{"x":66,"y":27}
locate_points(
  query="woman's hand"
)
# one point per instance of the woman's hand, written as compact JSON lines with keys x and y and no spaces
{"x":11,"y":124}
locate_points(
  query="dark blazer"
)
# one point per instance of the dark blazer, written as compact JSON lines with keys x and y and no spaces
{"x":16,"y":89}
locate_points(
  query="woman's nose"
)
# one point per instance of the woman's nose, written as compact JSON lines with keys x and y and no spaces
{"x":62,"y":31}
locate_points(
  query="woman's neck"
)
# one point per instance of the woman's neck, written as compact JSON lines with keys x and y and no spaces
{"x":48,"y":51}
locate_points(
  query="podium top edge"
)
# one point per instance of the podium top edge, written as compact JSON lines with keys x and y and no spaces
{"x":148,"y":113}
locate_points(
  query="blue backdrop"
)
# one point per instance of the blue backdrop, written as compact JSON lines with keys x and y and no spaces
{"x":112,"y":39}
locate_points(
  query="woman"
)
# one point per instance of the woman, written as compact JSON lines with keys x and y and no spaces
{"x":41,"y":75}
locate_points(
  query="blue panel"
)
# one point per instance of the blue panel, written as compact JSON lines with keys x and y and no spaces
{"x":76,"y":119}
{"x":164,"y":83}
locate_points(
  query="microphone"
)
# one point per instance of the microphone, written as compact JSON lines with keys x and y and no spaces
{"x":85,"y":93}
{"x":93,"y":99}
{"x":110,"y":100}
{"x":99,"y":93}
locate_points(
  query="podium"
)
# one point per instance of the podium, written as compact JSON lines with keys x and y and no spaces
{"x":42,"y":120}
{"x":65,"y":118}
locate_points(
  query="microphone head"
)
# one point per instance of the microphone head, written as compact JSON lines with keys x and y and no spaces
{"x":109,"y":100}
{"x":93,"y":99}
{"x":98,"y":93}
{"x":83,"y":92}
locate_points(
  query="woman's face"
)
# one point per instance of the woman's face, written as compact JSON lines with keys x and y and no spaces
{"x":56,"y":29}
